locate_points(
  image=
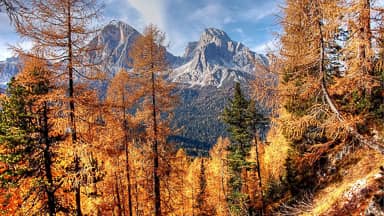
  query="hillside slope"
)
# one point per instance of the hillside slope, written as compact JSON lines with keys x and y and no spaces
{"x":353,"y":192}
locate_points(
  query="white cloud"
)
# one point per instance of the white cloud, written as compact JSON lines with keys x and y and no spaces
{"x":257,"y":13}
{"x":5,"y":51}
{"x":153,"y":11}
{"x":212,"y":15}
{"x":239,"y":30}
{"x":264,"y":48}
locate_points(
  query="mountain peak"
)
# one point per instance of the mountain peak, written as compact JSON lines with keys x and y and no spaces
{"x":214,"y":35}
{"x":215,"y":32}
{"x":114,"y":42}
{"x":121,"y":25}
{"x":119,"y":28}
{"x":216,"y":60}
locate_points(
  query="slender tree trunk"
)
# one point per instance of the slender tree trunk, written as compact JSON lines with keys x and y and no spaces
{"x":48,"y":162}
{"x":156,"y":179}
{"x":193,"y":200}
{"x":182,"y":189}
{"x":259,"y":175}
{"x":365,"y":35}
{"x":118,"y":195}
{"x":128,"y":176}
{"x":127,"y":165}
{"x":222,"y":179}
{"x":123,"y":208}
{"x":137,"y":195}
{"x":70,"y":77}
{"x":72,"y":104}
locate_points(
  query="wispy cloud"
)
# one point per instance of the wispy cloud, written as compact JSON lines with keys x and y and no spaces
{"x":269,"y":46}
{"x":211,"y":15}
{"x":152,"y":11}
{"x":258,"y":13}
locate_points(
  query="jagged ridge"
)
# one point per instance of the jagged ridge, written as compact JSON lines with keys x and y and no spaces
{"x":216,"y":60}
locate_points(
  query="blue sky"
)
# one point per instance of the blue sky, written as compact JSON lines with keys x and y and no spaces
{"x":251,"y":22}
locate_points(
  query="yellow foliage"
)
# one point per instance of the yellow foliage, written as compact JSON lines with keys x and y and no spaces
{"x":274,"y":156}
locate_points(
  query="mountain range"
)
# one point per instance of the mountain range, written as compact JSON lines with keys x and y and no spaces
{"x":205,"y":75}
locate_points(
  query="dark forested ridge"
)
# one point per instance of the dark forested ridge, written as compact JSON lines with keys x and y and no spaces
{"x":198,"y":117}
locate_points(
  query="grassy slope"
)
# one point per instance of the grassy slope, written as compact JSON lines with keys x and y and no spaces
{"x":351,"y":194}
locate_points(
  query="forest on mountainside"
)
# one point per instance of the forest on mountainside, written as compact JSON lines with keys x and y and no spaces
{"x":64,"y":150}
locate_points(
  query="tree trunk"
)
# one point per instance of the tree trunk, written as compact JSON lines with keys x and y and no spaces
{"x":48,"y":162}
{"x":156,"y":179}
{"x":127,"y":165}
{"x":72,"y":104}
{"x":136,"y":197}
{"x":118,"y":195}
{"x":259,"y":176}
{"x":365,"y":35}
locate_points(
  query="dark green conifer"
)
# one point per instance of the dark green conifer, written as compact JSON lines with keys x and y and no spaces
{"x":237,"y":117}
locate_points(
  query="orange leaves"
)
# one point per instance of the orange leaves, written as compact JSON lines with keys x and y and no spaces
{"x":10,"y":200}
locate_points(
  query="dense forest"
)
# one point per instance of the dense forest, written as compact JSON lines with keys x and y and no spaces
{"x":65,"y":150}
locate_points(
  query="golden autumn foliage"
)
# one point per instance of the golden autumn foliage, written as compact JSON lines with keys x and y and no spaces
{"x":70,"y":151}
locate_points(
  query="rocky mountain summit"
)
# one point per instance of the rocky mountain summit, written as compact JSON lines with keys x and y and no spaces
{"x":216,"y":60}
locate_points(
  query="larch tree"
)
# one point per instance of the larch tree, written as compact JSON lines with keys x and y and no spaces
{"x":218,"y":176}
{"x":178,"y":184}
{"x":192,"y":186}
{"x":203,"y":206}
{"x":302,"y":79}
{"x":61,"y":29}
{"x":323,"y":113}
{"x":363,"y":69}
{"x":121,"y":97}
{"x":149,"y":65}
{"x":256,"y":123}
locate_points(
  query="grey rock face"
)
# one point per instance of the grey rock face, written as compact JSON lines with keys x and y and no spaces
{"x":112,"y":45}
{"x":216,"y":60}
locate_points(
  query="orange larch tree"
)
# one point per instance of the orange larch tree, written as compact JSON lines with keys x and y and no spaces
{"x":61,"y":29}
{"x":150,"y":65}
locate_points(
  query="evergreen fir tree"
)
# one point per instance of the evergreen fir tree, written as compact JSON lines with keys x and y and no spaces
{"x":236,"y":116}
{"x":15,"y":125}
